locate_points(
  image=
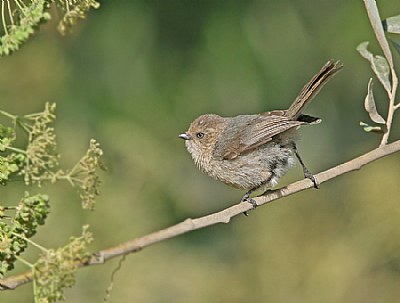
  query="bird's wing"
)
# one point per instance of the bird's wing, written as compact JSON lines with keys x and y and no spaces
{"x":249,"y":132}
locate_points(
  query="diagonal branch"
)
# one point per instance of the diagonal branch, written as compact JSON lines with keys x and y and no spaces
{"x":223,"y":216}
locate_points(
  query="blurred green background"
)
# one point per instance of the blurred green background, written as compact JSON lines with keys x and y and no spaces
{"x":136,"y":73}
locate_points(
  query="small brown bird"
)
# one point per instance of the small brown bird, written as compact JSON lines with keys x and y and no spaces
{"x":252,"y":152}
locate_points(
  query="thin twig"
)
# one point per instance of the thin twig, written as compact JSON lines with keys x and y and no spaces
{"x":8,"y":115}
{"x":114,"y":272}
{"x":223,"y":216}
{"x":391,"y":109}
{"x":3,"y":18}
{"x":10,"y":13}
{"x":375,"y":20}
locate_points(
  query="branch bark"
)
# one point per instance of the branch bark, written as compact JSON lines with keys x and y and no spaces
{"x":223,"y":216}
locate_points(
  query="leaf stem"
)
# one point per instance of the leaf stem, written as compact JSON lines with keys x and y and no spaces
{"x":10,"y":12}
{"x":24,"y":261}
{"x":21,"y":6}
{"x":3,"y":18}
{"x":8,"y":115}
{"x":18,"y":150}
{"x":30,"y":242}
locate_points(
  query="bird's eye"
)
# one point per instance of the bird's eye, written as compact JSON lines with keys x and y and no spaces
{"x":200,"y":135}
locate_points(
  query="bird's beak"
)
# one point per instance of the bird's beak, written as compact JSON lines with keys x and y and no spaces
{"x":185,"y":136}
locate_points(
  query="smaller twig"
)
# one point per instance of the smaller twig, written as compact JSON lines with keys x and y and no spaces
{"x":30,"y":242}
{"x":8,"y":115}
{"x":21,"y":6}
{"x":3,"y":18}
{"x":24,"y":261}
{"x":110,"y":287}
{"x":10,"y":12}
{"x":392,"y":107}
{"x":17,"y":150}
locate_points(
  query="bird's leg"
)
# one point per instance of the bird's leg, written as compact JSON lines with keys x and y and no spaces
{"x":306,"y":172}
{"x":246,"y":197}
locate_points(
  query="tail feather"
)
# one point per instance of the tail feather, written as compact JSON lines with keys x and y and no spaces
{"x":311,"y":89}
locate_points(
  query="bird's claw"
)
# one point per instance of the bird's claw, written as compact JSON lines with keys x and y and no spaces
{"x":310,"y":176}
{"x":246,"y":198}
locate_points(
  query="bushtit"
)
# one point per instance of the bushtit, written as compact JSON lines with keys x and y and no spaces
{"x":252,"y":152}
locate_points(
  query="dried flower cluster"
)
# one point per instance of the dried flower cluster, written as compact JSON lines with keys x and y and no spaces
{"x":74,"y":10}
{"x":55,"y":269}
{"x":84,"y":175}
{"x":41,"y":158}
{"x":37,"y":162}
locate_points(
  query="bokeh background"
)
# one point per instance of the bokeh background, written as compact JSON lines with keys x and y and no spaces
{"x":136,"y":73}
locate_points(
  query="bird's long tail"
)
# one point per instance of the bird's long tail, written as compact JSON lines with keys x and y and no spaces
{"x":311,"y":89}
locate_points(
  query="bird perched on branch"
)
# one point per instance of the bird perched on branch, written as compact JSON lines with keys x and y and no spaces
{"x":253,"y":152}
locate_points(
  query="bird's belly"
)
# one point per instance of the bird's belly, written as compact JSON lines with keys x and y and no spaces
{"x":266,"y":164}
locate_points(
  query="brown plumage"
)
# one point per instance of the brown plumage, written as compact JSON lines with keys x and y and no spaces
{"x":254,"y":151}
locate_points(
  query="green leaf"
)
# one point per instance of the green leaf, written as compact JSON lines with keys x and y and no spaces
{"x":378,"y":64}
{"x":375,"y":19}
{"x":370,"y":106}
{"x":371,"y":129}
{"x":392,"y":24}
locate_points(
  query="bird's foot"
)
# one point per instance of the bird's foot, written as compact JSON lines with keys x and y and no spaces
{"x":310,"y":176}
{"x":246,"y":198}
